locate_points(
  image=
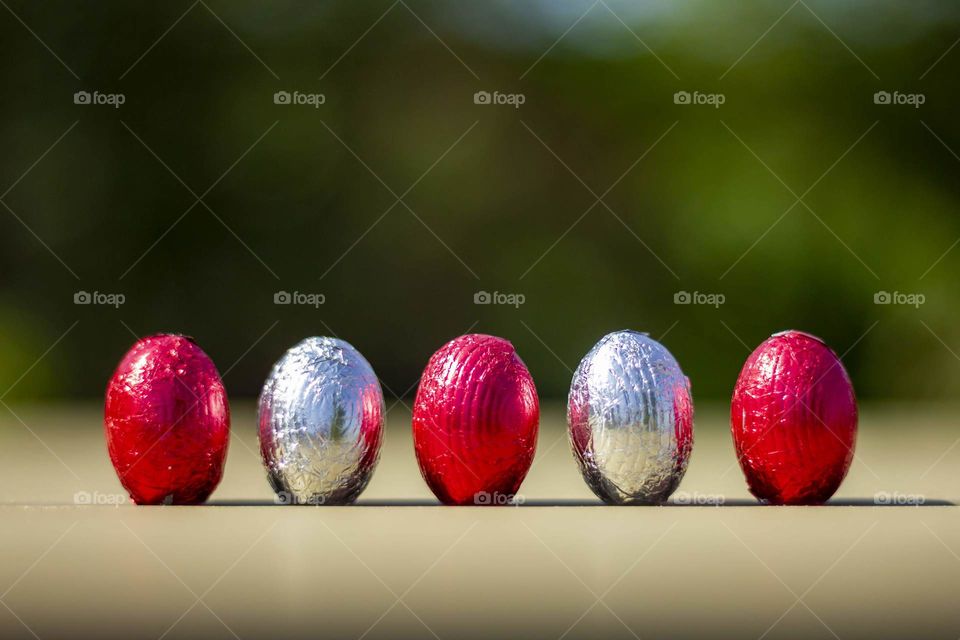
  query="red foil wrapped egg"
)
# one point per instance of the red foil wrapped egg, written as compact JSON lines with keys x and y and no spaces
{"x":167,"y":421}
{"x":794,"y":420}
{"x":475,"y":421}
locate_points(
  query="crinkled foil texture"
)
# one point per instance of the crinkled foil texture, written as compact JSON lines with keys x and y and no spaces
{"x":321,"y":423}
{"x":167,"y":421}
{"x":475,"y":421}
{"x":630,"y":418}
{"x":794,"y":420}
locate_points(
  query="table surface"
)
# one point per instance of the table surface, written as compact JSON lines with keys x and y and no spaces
{"x":398,"y":565}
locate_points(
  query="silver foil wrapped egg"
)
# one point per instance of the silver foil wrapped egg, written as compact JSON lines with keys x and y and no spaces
{"x":321,"y":423}
{"x":630,"y":418}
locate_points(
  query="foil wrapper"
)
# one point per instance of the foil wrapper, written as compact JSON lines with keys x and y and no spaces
{"x":321,"y":418}
{"x":475,"y":421}
{"x":794,"y":420}
{"x":167,"y":421}
{"x":630,"y":418}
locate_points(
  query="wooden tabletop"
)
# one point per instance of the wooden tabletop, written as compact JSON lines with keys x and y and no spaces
{"x":881,"y":560}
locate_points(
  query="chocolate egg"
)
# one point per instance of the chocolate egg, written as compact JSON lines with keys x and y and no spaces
{"x":794,"y":420}
{"x":167,"y":422}
{"x":321,"y":423}
{"x":475,"y":421}
{"x":630,"y":419}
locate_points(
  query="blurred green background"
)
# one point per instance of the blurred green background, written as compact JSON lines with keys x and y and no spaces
{"x":496,"y":198}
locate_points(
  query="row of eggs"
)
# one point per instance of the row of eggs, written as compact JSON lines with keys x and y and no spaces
{"x":476,"y":419}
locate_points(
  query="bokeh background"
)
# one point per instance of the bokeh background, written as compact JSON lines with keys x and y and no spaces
{"x":496,"y":198}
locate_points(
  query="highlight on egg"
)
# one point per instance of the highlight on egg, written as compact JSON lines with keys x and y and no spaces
{"x":630,"y":419}
{"x":167,"y":421}
{"x":475,"y":421}
{"x":320,"y":415}
{"x":794,"y":420}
